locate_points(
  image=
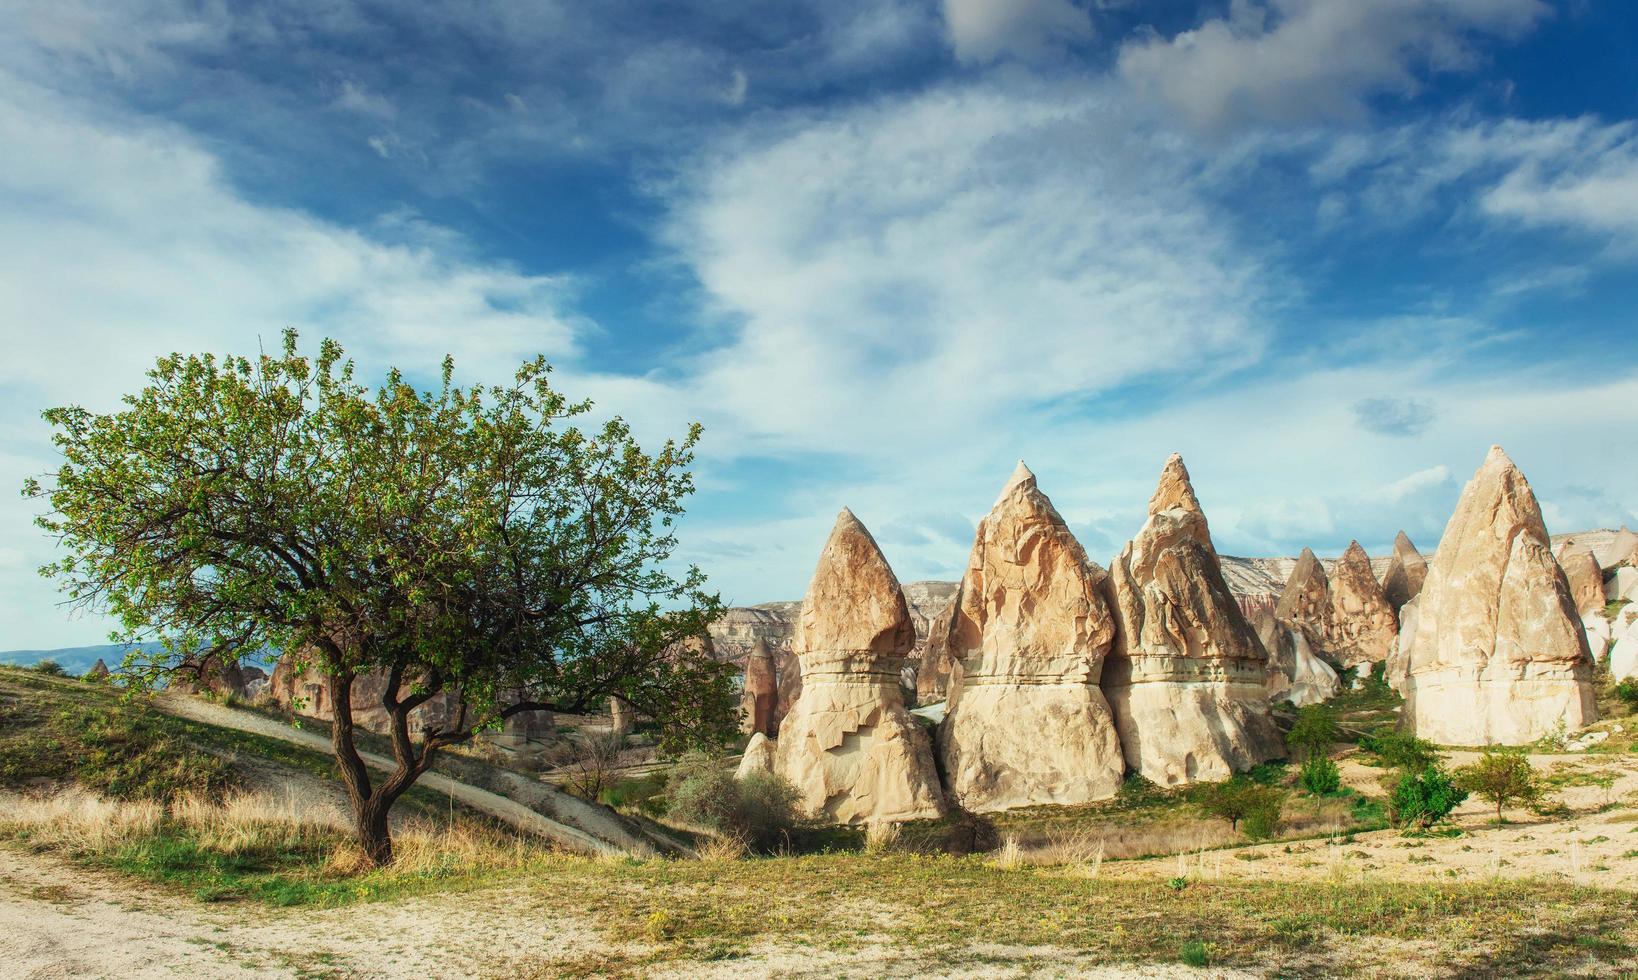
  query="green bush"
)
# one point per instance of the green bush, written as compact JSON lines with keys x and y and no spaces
{"x":759,"y":809}
{"x":1240,"y":801}
{"x":1424,"y":798}
{"x":1320,"y":776}
{"x":50,"y":667}
{"x":1627,"y":692}
{"x":1501,"y":776}
{"x":1399,"y":750}
{"x":1314,"y":732}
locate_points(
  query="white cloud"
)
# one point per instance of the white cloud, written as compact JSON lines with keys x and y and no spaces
{"x":1290,"y":61}
{"x":919,"y":269}
{"x":1578,"y":175}
{"x":985,"y":30}
{"x":122,"y":241}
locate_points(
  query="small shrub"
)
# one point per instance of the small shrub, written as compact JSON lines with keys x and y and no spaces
{"x":759,"y":809}
{"x":50,"y":667}
{"x":1501,"y":777}
{"x":1241,"y":800}
{"x":1627,"y":692}
{"x":592,"y":767}
{"x":1263,"y":820}
{"x":1424,"y":798}
{"x":1400,"y":750}
{"x":1195,"y":954}
{"x":1320,"y":776}
{"x":1314,"y":732}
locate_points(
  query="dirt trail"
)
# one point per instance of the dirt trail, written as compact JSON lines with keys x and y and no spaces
{"x":514,"y":813}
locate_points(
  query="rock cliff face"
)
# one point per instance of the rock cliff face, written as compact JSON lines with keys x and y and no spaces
{"x":1032,"y":628}
{"x":1186,"y":676}
{"x":761,"y":692}
{"x":849,"y":745}
{"x":1497,"y":654}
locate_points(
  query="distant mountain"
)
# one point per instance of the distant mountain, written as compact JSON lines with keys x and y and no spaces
{"x":75,"y":660}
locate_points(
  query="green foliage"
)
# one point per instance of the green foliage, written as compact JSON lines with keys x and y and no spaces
{"x":455,"y":539}
{"x":1501,"y":776}
{"x":1241,"y":800}
{"x":1195,"y":954}
{"x":1400,"y":750}
{"x":1314,"y":732}
{"x":760,"y":809}
{"x":1421,"y":799}
{"x":51,"y":668}
{"x":1627,"y":693}
{"x":1320,"y":776}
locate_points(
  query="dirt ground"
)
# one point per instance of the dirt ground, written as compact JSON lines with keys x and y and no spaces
{"x":58,"y":920}
{"x":1586,"y":847}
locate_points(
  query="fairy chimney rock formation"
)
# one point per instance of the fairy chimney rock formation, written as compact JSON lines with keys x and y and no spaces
{"x":1407,"y":570}
{"x":1185,"y":678}
{"x":1032,"y":628}
{"x":849,"y":745}
{"x":98,"y":671}
{"x":1363,"y":622}
{"x":761,"y":690}
{"x":939,"y":676}
{"x":1498,"y":655}
{"x":1586,"y":579}
{"x":1305,"y":602}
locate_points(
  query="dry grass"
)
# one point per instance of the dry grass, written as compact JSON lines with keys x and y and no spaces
{"x":725,"y":847}
{"x":881,"y":838}
{"x":275,"y":840}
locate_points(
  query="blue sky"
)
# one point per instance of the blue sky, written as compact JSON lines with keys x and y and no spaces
{"x":1330,"y":250}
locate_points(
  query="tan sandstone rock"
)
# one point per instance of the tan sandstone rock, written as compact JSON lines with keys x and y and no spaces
{"x":1624,"y":550}
{"x":1186,"y":676}
{"x":761,"y":696}
{"x":849,"y":745}
{"x":1586,"y":579}
{"x":1498,"y":655}
{"x":1305,"y":603}
{"x":1363,"y":623}
{"x":1295,"y":673}
{"x":1407,"y":570}
{"x":939,"y":676}
{"x":758,"y":757}
{"x":1032,"y":628}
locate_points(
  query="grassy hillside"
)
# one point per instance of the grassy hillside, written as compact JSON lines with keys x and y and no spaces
{"x":109,"y":779}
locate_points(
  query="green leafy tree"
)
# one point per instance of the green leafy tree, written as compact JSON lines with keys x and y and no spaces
{"x":1501,"y":776}
{"x":1241,"y":799}
{"x":462,"y":541}
{"x":1315,"y":731}
{"x":1401,"y":750}
{"x":1421,"y":799}
{"x":1319,"y":775}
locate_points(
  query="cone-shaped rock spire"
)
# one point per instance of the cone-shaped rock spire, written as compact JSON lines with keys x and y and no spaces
{"x":1032,"y":628}
{"x":1497,"y":653}
{"x":848,"y":744}
{"x":1363,"y":623}
{"x":1186,"y":676}
{"x":1407,"y":569}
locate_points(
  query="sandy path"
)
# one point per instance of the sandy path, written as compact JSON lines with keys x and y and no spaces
{"x":514,"y":813}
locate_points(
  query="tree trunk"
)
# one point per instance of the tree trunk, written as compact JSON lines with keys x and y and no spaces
{"x":374,"y":834}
